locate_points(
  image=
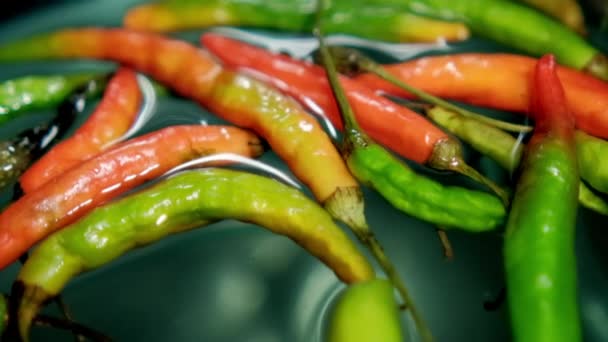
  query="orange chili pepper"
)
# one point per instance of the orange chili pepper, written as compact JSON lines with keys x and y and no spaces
{"x":500,"y":81}
{"x":99,"y":179}
{"x":110,"y":120}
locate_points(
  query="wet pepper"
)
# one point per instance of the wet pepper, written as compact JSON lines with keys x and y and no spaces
{"x":539,"y":256}
{"x":365,"y":312}
{"x":344,"y":17}
{"x":507,"y":150}
{"x":110,"y":120}
{"x":568,"y":12}
{"x":17,"y":154}
{"x":396,"y":127}
{"x":30,"y":93}
{"x":102,"y":178}
{"x":185,"y":201}
{"x":471,"y":78}
{"x":501,"y":20}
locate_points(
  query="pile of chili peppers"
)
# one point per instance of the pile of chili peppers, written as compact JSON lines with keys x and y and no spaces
{"x":84,"y":194}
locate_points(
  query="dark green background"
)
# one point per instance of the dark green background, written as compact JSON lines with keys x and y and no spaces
{"x":237,"y":282}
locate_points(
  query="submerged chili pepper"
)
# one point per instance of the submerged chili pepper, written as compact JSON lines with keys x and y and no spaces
{"x":507,"y":150}
{"x":472,"y":78}
{"x":3,"y":313}
{"x":17,"y":154}
{"x":110,"y":120}
{"x":567,"y":11}
{"x":539,"y":254}
{"x":101,"y":178}
{"x":366,"y":312}
{"x":501,"y":20}
{"x":404,"y":131}
{"x":593,"y":166}
{"x":184,"y":202}
{"x":344,"y":17}
{"x":29,"y":93}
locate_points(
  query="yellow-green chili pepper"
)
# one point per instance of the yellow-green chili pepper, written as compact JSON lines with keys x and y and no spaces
{"x":37,"y":92}
{"x":185,"y":201}
{"x":507,"y":151}
{"x":366,"y":312}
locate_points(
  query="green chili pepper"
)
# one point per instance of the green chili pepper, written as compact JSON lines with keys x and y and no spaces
{"x":185,"y":201}
{"x":37,"y":92}
{"x":507,"y":151}
{"x":366,"y":312}
{"x":343,"y":17}
{"x":591,"y":152}
{"x":18,"y":153}
{"x":539,"y":253}
{"x":515,"y":25}
{"x":452,"y":207}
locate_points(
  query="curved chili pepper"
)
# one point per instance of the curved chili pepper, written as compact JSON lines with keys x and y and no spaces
{"x":101,"y":178}
{"x":17,"y":154}
{"x":472,"y":78}
{"x":344,"y":17}
{"x":568,"y":12}
{"x":593,"y":167}
{"x":184,"y":202}
{"x":29,"y":93}
{"x":539,"y":256}
{"x":507,"y":150}
{"x":501,"y":20}
{"x":110,"y":120}
{"x":396,"y":127}
{"x":366,"y":312}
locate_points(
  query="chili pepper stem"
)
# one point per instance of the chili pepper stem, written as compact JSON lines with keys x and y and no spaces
{"x":445,"y":157}
{"x":385,"y":75}
{"x":67,"y":314}
{"x":448,"y":251}
{"x":81,"y":330}
{"x":598,"y":67}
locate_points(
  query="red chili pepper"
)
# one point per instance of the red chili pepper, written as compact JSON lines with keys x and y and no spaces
{"x":110,"y":120}
{"x":101,"y":178}
{"x":500,"y":81}
{"x":402,"y":130}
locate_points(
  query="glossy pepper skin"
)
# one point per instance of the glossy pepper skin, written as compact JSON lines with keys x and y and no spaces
{"x":344,"y":17}
{"x":592,"y":163}
{"x":471,"y":78}
{"x":539,"y":256}
{"x":186,"y":201}
{"x":507,"y":150}
{"x":102,"y":178}
{"x":110,"y":120}
{"x":396,"y":127}
{"x":298,"y":139}
{"x":17,"y":154}
{"x":500,"y":20}
{"x":365,"y":312}
{"x":28,"y":93}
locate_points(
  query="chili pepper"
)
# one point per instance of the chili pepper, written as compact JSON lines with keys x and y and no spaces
{"x":352,"y":62}
{"x":393,"y":126}
{"x":101,"y":178}
{"x":29,"y":93}
{"x":110,"y":120}
{"x":454,"y":207}
{"x":591,"y":154}
{"x":539,"y":256}
{"x":344,"y":17}
{"x":501,"y":20}
{"x":507,"y":150}
{"x":183,"y":202}
{"x":366,"y":312}
{"x":472,"y":78}
{"x":17,"y":154}
{"x":567,"y":11}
